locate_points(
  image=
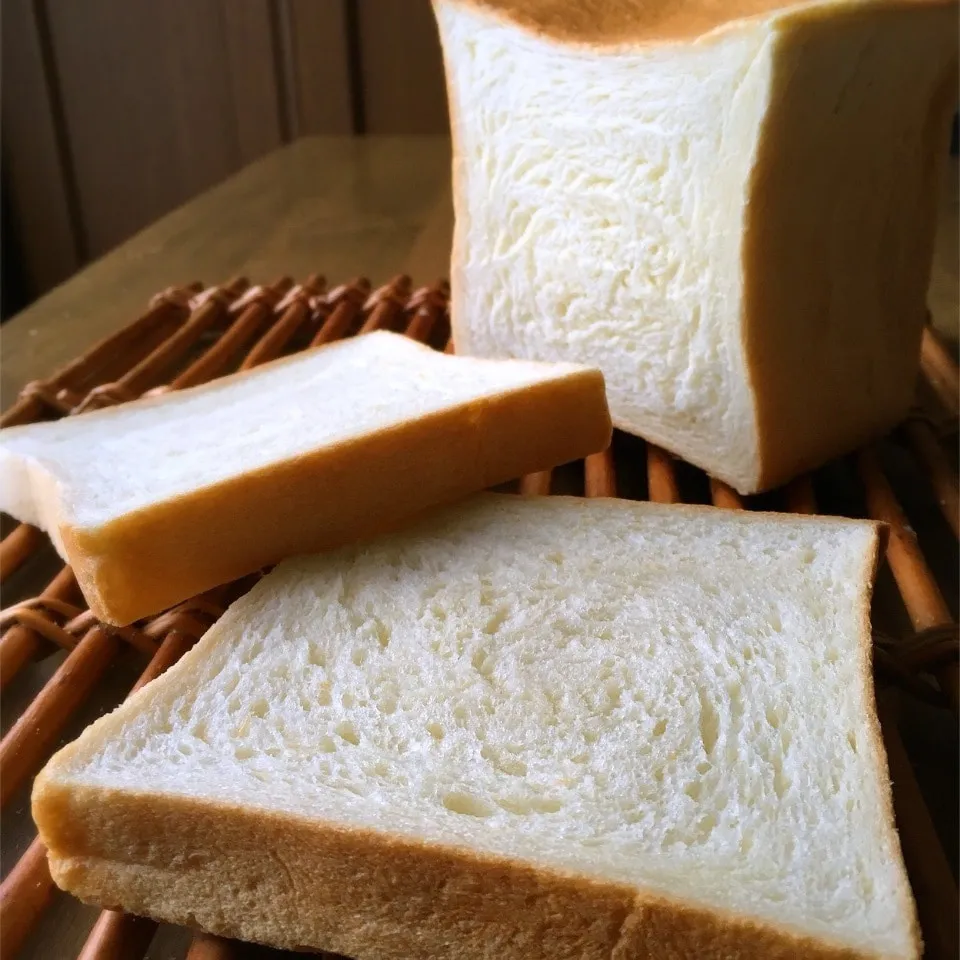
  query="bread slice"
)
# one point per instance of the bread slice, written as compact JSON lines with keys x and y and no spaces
{"x":158,"y":500}
{"x":729,"y":208}
{"x":527,"y":728}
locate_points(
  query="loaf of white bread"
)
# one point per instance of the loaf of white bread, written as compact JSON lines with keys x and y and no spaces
{"x":726,"y":207}
{"x":156,"y":501}
{"x":526,"y":729}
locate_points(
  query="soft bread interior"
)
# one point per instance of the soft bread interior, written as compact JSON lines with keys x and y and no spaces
{"x":673,"y":698}
{"x":735,"y":227}
{"x":599,"y":200}
{"x":91,"y":469}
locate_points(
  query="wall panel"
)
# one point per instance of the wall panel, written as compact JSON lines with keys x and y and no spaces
{"x":36,"y":180}
{"x":115,"y":112}
{"x":401,"y":67}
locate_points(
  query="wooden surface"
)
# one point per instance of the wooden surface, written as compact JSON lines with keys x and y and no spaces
{"x":336,"y":205}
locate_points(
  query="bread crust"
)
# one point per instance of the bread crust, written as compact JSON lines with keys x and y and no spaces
{"x":149,"y":559}
{"x":601,"y":24}
{"x":888,"y":826}
{"x":298,"y":883}
{"x":790,"y":419}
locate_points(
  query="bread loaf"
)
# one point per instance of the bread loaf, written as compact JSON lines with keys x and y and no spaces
{"x":728,"y":208}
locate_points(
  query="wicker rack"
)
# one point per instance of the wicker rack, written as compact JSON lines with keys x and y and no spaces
{"x":190,"y":335}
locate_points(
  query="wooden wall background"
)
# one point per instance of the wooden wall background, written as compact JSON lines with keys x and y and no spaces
{"x":116,"y":111}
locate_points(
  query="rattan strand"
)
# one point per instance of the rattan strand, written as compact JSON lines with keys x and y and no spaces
{"x":921,"y":845}
{"x":103,"y":361}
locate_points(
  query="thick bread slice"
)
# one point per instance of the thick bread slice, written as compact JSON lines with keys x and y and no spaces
{"x":547,"y":728}
{"x":158,"y":500}
{"x":729,"y":208}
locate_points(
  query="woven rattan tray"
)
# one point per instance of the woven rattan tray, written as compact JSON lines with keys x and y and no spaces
{"x":59,"y":667}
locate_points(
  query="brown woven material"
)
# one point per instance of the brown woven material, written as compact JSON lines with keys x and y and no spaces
{"x":908,"y":662}
{"x":295,"y":308}
{"x":918,"y":587}
{"x":341,"y":308}
{"x":189,"y":335}
{"x":924,"y":443}
{"x":941,"y":371}
{"x":106,"y":358}
{"x":17,"y":547}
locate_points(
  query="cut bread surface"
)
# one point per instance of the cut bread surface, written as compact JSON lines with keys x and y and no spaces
{"x":157,"y":500}
{"x":250,"y":421}
{"x":735,"y":226}
{"x":668,"y":709}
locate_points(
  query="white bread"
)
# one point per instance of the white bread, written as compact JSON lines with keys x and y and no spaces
{"x":527,"y":728}
{"x":728,"y":208}
{"x":156,"y":501}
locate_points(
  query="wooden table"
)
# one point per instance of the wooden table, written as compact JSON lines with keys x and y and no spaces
{"x":337,"y":205}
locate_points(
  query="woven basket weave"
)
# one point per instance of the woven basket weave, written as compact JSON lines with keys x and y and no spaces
{"x":190,"y":335}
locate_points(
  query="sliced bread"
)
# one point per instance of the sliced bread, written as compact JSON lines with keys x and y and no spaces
{"x":545,"y":728}
{"x":155,"y":501}
{"x":727,"y":207}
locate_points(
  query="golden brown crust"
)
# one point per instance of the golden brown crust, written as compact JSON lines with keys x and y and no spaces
{"x":296,"y":883}
{"x":888,"y":819}
{"x":613,"y":23}
{"x":148,"y":560}
{"x":799,"y":323}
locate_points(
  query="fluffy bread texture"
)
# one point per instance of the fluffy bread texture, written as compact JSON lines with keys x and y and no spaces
{"x":727,"y":208}
{"x":156,"y":501}
{"x":527,"y":728}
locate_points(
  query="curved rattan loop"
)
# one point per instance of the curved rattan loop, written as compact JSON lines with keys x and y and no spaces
{"x":256,"y":295}
{"x":65,"y":623}
{"x":175,"y":296}
{"x":394,"y":293}
{"x":348,"y":295}
{"x":45,"y":617}
{"x":303,"y":293}
{"x":356,"y":291}
{"x":49,"y":605}
{"x":86,"y":621}
{"x":319,"y":307}
{"x":46,"y":395}
{"x":106,"y":395}
{"x":907,"y":662}
{"x":427,"y":297}
{"x":211,"y":293}
{"x":192,"y":619}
